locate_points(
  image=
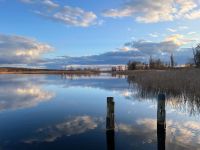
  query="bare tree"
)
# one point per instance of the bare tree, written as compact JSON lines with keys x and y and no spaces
{"x":172,"y":60}
{"x":132,"y":65}
{"x":156,"y":64}
{"x":196,"y":53}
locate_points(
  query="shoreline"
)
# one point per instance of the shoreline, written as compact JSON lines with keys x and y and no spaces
{"x":44,"y":71}
{"x":79,"y":72}
{"x":51,"y":72}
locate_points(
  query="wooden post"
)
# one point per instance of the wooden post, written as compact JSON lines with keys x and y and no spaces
{"x":110,"y":119}
{"x":161,"y":109}
{"x":110,"y":124}
{"x":161,"y":122}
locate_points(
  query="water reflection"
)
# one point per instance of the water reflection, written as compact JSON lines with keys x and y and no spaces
{"x":76,"y":112}
{"x":185,"y":101}
{"x":72,"y":126}
{"x":17,"y":94}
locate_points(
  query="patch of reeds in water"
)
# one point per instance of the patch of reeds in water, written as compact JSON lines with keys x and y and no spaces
{"x":180,"y":86}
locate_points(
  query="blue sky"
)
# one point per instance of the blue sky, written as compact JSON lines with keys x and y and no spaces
{"x":85,"y":28}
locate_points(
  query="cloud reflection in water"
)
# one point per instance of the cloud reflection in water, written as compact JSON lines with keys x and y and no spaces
{"x":72,"y":126}
{"x":179,"y":134}
{"x":16,"y":94}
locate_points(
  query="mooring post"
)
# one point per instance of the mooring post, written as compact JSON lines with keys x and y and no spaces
{"x":161,"y":122}
{"x":110,"y":124}
{"x":110,"y":119}
{"x":161,"y":108}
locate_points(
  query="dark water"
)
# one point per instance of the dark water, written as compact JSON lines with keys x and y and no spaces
{"x":53,"y":112}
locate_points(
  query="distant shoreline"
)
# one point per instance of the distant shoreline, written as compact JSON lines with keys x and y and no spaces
{"x":7,"y":70}
{"x":44,"y":71}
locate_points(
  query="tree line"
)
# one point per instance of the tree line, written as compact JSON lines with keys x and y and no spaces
{"x":155,"y":63}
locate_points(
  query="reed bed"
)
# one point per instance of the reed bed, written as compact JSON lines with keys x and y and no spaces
{"x":180,"y":86}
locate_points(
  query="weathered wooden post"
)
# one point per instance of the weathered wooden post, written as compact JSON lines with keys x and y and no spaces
{"x":110,"y":119}
{"x":161,"y":122}
{"x":110,"y":124}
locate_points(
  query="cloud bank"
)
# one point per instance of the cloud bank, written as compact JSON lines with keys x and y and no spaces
{"x":26,"y":52}
{"x":21,"y":50}
{"x":151,"y":11}
{"x":139,"y":50}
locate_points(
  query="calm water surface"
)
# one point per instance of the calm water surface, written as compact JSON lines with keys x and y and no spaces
{"x":54,"y":112}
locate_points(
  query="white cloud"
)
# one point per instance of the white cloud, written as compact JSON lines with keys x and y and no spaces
{"x":126,"y":48}
{"x":147,"y":10}
{"x":50,"y":3}
{"x":47,"y":3}
{"x":72,"y":16}
{"x":153,"y":48}
{"x":185,"y":6}
{"x":151,"y":11}
{"x":18,"y":49}
{"x":179,"y":28}
{"x":153,"y":35}
{"x":193,"y":15}
{"x":170,"y":44}
{"x":183,"y":27}
{"x":115,"y":13}
{"x":171,"y":30}
{"x":190,"y":33}
{"x":178,"y":39}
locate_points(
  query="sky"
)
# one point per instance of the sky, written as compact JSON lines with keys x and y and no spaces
{"x":52,"y":33}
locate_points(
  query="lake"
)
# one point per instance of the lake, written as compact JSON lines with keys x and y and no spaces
{"x":48,"y":112}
